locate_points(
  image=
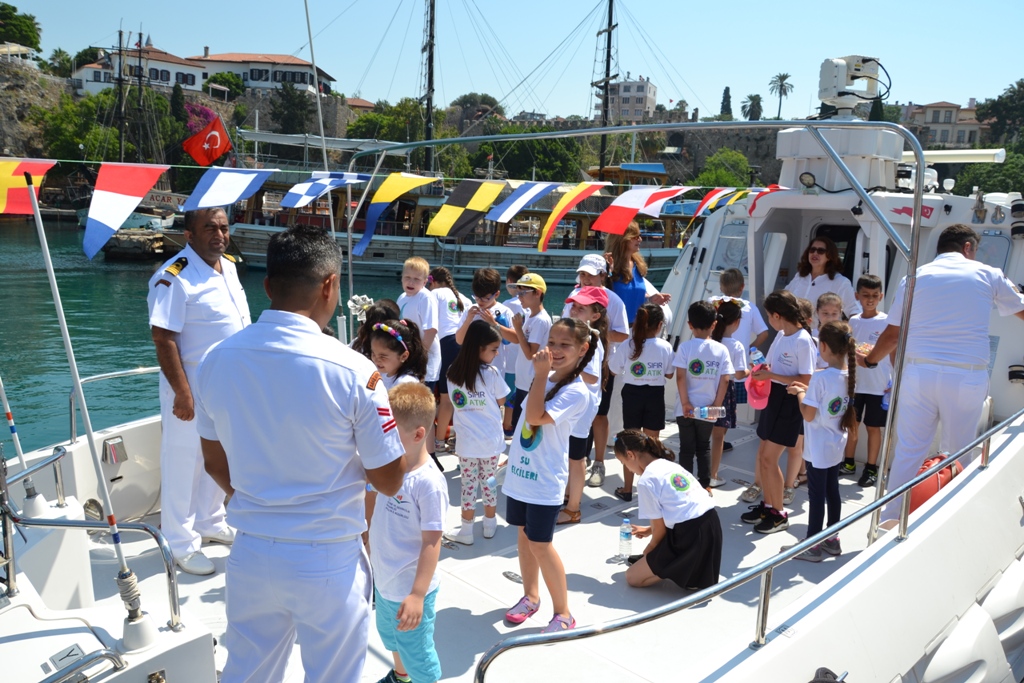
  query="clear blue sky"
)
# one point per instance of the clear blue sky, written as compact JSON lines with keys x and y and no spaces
{"x":942,"y":50}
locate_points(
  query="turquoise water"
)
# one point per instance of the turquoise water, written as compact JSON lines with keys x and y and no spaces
{"x":105,"y":306}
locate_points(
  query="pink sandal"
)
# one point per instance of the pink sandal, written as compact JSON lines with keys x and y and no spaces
{"x":522,"y":610}
{"x":559,"y":623}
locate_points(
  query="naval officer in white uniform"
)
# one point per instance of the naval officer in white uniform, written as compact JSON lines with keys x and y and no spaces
{"x":293,"y":425}
{"x":945,"y":376}
{"x":195,"y":301}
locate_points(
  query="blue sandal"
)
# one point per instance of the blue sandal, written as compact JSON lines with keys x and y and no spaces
{"x":559,"y":623}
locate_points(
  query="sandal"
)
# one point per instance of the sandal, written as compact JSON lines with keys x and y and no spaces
{"x":559,"y":623}
{"x":522,"y":610}
{"x":752,"y":494}
{"x":801,"y":479}
{"x":624,"y":495}
{"x":571,"y":517}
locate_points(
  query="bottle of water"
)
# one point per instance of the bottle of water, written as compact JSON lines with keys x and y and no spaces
{"x":709,"y":412}
{"x":756,"y":357}
{"x":885,"y":396}
{"x":625,"y":539}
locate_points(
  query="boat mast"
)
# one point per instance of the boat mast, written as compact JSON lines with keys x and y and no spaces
{"x":120,"y":95}
{"x":139,"y":106}
{"x":606,"y":84}
{"x":428,"y":49}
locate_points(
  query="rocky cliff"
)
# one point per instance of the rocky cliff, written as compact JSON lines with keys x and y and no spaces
{"x":22,"y":87}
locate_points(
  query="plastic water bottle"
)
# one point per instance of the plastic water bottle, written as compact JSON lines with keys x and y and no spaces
{"x":885,"y":396}
{"x":709,"y":412}
{"x":625,"y":539}
{"x":756,"y":357}
{"x":491,"y":482}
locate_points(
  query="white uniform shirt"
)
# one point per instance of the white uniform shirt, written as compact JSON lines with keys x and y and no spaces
{"x":477,"y":418}
{"x":291,"y":407}
{"x":666,"y":491}
{"x":866,"y":330}
{"x":792,"y":355}
{"x":702,"y":362}
{"x":396,"y":530}
{"x":538,"y":460}
{"x":751,"y":324}
{"x":824,"y":438}
{"x":503,"y":316}
{"x":448,"y":313}
{"x":187,"y":296}
{"x":536,"y":329}
{"x":421,"y":308}
{"x":953,"y":300}
{"x":737,"y":354}
{"x":649,"y":369}
{"x":391,"y":381}
{"x":806,"y":287}
{"x":581,"y":429}
{"x":617,"y":321}
{"x":510,"y":352}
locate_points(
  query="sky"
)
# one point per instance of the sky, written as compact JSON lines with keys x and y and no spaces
{"x":938,"y":51}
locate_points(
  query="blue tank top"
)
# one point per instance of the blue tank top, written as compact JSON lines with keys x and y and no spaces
{"x":632,"y":293}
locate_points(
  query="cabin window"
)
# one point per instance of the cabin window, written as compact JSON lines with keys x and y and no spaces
{"x":165,"y":75}
{"x":993,"y":250}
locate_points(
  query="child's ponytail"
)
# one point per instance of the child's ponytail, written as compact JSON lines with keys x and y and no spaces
{"x":838,"y":337}
{"x":638,"y":442}
{"x":727,"y":312}
{"x":648,"y":318}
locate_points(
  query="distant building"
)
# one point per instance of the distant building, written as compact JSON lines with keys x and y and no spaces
{"x":629,"y":101}
{"x":529,"y":118}
{"x":264,"y":71}
{"x":359,"y":105}
{"x":158,"y":68}
{"x":947,"y":125}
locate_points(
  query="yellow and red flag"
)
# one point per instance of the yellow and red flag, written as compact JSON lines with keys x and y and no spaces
{"x":564,"y":205}
{"x":13,"y":186}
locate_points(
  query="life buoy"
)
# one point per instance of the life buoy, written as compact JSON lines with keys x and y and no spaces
{"x":930,"y":486}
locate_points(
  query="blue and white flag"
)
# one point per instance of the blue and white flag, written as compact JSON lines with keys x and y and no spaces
{"x":321,"y":183}
{"x":225,"y":186}
{"x":527,"y":194}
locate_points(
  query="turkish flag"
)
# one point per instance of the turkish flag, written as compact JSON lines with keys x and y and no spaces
{"x":209,"y":144}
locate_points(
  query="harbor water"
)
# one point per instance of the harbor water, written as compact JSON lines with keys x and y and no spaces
{"x":105,"y":306}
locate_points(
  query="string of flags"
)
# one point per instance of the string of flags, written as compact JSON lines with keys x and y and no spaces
{"x":121,"y":187}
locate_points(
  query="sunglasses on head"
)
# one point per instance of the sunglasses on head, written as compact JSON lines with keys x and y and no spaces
{"x":817,"y":250}
{"x":486,"y":297}
{"x":525,"y":290}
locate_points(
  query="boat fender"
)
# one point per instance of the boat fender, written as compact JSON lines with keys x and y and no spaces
{"x":176,"y":267}
{"x":929,"y":487}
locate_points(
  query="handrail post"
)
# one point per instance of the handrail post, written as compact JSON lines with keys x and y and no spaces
{"x":986,"y":449}
{"x":904,"y":516}
{"x":761,"y":627}
{"x":7,"y":524}
{"x":58,"y":476}
{"x":71,"y":410}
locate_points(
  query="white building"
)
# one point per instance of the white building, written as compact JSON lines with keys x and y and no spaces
{"x":158,"y":68}
{"x":629,"y":101}
{"x":263,"y":70}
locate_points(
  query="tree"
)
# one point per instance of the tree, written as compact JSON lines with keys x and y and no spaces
{"x":752,"y":108}
{"x":780,"y":85}
{"x":229,"y":80}
{"x":240,"y":114}
{"x":557,"y":160}
{"x":1005,"y":177}
{"x":59,"y":64}
{"x":178,"y":112}
{"x":291,"y":109}
{"x":471,"y":102}
{"x":877,"y":110}
{"x":22,"y":29}
{"x":726,"y":104}
{"x":892,"y":113}
{"x":89,"y":55}
{"x":660,"y":108}
{"x":1005,"y":114}
{"x":724,"y":168}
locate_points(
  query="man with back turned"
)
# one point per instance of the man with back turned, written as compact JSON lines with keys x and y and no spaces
{"x":293,"y":425}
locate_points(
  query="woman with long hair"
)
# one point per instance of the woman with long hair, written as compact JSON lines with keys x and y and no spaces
{"x":819,"y":271}
{"x":627,"y":270}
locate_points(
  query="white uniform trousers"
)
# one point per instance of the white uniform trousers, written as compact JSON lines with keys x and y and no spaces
{"x":933,"y":396}
{"x":278,"y":592}
{"x":191,"y":503}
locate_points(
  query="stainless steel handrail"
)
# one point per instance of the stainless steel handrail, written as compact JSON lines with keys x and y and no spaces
{"x":763,"y":569}
{"x":53,"y":460}
{"x":73,"y":400}
{"x":71,"y":672}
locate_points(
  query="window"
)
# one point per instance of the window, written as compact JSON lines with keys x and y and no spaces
{"x":154,"y":74}
{"x":626,"y":88}
{"x":935,"y":117}
{"x":190,"y":79}
{"x":947,"y":117}
{"x":625,"y":100}
{"x":970,"y":136}
{"x":639,"y":100}
{"x":165,"y":75}
{"x":613,"y":100}
{"x":96,"y":76}
{"x":993,"y":250}
{"x":639,"y":88}
{"x":207,"y":75}
{"x":179,"y":77}
{"x":960,"y":137}
{"x":944,"y":136}
{"x":136,"y":71}
{"x":931,"y":136}
{"x":625,"y":112}
{"x":254,"y":74}
{"x":108,"y":77}
{"x":277,"y":77}
{"x":638,"y":112}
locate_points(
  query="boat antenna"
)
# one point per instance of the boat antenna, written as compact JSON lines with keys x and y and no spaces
{"x":605,"y":84}
{"x":428,"y":95}
{"x":319,"y":113}
{"x":35,"y":504}
{"x":139,"y":629}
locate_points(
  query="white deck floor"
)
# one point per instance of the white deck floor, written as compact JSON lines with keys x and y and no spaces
{"x":474,"y":592}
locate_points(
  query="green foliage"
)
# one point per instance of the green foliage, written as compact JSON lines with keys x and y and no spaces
{"x":893,"y":113}
{"x":22,"y":29}
{"x":240,"y":114}
{"x":717,"y":117}
{"x":471,"y":101}
{"x":556,"y":160}
{"x":178,"y":111}
{"x":229,"y":80}
{"x":752,"y":107}
{"x":89,"y":55}
{"x":1005,"y":114}
{"x":59,"y":64}
{"x":724,"y":168}
{"x":780,"y":85}
{"x":1005,"y":177}
{"x":452,"y":160}
{"x":291,"y":109}
{"x":726,"y":104}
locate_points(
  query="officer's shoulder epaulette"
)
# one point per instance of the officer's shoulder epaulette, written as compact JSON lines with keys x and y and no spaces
{"x":176,"y":267}
{"x":233,"y":258}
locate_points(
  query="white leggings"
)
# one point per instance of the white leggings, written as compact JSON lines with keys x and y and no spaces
{"x":477,"y":471}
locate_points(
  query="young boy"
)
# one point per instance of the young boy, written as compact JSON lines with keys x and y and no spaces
{"x":752,"y":330}
{"x":510,"y":351}
{"x":871,"y":384}
{"x":531,"y":333}
{"x":405,"y":542}
{"x":705,"y":370}
{"x":417,"y":305}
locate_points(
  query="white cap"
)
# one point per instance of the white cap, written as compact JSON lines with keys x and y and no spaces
{"x":593,"y":264}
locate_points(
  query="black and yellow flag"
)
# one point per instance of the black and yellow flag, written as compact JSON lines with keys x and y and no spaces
{"x":466,"y":205}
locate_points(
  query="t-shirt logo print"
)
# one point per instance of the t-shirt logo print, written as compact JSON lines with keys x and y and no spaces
{"x":530,"y":437}
{"x":697,"y":367}
{"x":679,"y":482}
{"x":453,"y":306}
{"x":459,"y":398}
{"x":637,"y":369}
{"x":835,"y":406}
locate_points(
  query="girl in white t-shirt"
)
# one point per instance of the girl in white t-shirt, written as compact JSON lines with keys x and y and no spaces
{"x":397,"y":351}
{"x":686,"y":534}
{"x":828,"y":412}
{"x":450,"y":307}
{"x":538,"y":466}
{"x":477,"y":392}
{"x":727,"y":322}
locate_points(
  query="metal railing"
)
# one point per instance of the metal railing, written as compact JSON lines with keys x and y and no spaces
{"x":763,"y":570}
{"x":73,"y":672}
{"x":73,"y":398}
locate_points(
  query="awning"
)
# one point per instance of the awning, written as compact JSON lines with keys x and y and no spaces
{"x":313,"y":141}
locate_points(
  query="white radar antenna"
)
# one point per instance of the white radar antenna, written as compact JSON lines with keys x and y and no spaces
{"x":848,"y":81}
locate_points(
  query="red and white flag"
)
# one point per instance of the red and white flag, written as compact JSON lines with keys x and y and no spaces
{"x":616,"y":218}
{"x":119,"y":189}
{"x":209,"y":144}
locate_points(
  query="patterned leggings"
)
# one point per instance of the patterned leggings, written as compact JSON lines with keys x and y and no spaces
{"x":477,"y":471}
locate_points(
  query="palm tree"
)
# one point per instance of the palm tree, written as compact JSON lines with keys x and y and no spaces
{"x":752,"y":107}
{"x":780,"y":85}
{"x":60,"y":63}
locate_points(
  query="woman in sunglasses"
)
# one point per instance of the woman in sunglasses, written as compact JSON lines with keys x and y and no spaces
{"x":819,"y":272}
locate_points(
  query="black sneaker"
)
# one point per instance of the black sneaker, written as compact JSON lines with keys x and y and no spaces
{"x":755,"y":515}
{"x":773,"y":521}
{"x":868,"y":478}
{"x":848,"y":467}
{"x":726,"y":446}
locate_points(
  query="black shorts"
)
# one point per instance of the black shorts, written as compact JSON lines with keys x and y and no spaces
{"x":449,"y":350}
{"x":643,"y":407}
{"x":869,"y":410}
{"x":781,"y":421}
{"x":606,"y":397}
{"x":538,"y":521}
{"x":579,"y":447}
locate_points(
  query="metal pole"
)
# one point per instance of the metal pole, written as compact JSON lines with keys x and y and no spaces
{"x":352,"y":213}
{"x":761,"y":627}
{"x":632,"y":154}
{"x":319,"y":112}
{"x":606,"y":88}
{"x":14,"y":430}
{"x":120,"y":97}
{"x":428,"y":133}
{"x":986,"y":449}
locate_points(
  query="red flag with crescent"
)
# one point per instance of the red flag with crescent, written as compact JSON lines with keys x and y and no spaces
{"x":209,"y":144}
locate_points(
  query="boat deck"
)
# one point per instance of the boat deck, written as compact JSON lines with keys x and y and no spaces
{"x":475,"y":589}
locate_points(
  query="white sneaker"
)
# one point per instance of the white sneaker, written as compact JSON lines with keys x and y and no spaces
{"x":716,"y":482}
{"x":462,"y":535}
{"x":596,"y":474}
{"x":224,"y":537}
{"x":490,"y":526}
{"x":196,"y":563}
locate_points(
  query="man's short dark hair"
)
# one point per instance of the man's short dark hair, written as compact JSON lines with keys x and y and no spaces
{"x":195,"y":218}
{"x":301,"y":258}
{"x":869,"y":281}
{"x":955,"y":237}
{"x":515,"y":272}
{"x":486,"y":281}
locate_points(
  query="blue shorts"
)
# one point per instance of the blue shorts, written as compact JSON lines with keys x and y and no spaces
{"x":538,"y":521}
{"x":415,"y":647}
{"x":510,"y":379}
